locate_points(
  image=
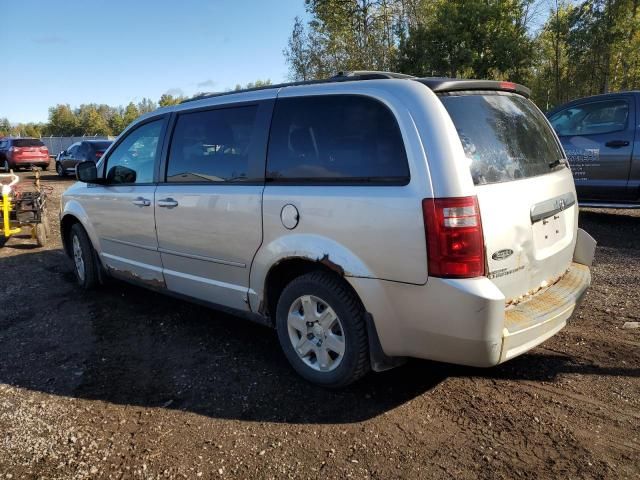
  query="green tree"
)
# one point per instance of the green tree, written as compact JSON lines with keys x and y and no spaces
{"x":63,"y":121}
{"x":167,"y":99}
{"x":257,"y":84}
{"x":93,"y":120}
{"x":472,"y":38}
{"x":5,"y":127}
{"x":347,"y":35}
{"x":131,"y":112}
{"x":146,"y":105}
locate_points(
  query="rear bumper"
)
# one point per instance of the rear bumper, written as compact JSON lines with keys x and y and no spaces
{"x":466,"y":321}
{"x":31,"y":161}
{"x":532,"y":322}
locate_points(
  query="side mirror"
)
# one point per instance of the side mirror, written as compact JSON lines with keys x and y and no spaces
{"x":87,"y":172}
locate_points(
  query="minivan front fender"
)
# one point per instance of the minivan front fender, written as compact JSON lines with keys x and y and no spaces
{"x":314,"y":248}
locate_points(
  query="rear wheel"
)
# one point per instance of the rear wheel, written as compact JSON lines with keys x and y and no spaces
{"x":83,"y":256}
{"x":321,"y":328}
{"x":59,"y":170}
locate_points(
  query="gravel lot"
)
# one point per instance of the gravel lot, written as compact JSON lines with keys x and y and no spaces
{"x":125,"y":383}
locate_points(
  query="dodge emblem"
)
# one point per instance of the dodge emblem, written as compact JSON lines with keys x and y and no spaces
{"x":502,"y":254}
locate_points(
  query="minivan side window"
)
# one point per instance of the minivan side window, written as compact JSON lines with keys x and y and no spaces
{"x":335,"y":139}
{"x":212,"y":145}
{"x":133,"y":160}
{"x":593,"y":118}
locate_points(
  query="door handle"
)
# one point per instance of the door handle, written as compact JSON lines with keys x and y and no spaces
{"x":167,"y":203}
{"x":617,"y":143}
{"x":141,"y":202}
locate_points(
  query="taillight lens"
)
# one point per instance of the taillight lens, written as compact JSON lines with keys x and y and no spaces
{"x":15,"y":149}
{"x":44,"y":149}
{"x":455,"y":245}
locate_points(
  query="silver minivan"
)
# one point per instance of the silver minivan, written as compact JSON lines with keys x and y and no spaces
{"x":369,"y":218}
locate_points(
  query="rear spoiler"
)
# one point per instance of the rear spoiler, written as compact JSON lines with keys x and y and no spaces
{"x":443,"y":85}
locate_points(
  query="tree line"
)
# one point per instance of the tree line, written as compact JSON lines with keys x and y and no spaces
{"x":561,"y":49}
{"x":96,"y":119}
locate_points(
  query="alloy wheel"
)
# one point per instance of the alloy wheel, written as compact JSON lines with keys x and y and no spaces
{"x":316,"y":333}
{"x":78,"y":258}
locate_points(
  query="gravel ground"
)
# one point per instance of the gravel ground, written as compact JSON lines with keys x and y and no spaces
{"x":126,"y":383}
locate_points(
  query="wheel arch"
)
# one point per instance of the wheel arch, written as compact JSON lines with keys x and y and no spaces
{"x":74,"y":213}
{"x":285,"y":271}
{"x":293,"y":255}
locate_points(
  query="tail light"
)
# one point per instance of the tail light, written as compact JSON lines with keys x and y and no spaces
{"x":44,"y":149}
{"x":455,"y":245}
{"x":507,"y":85}
{"x":15,"y":149}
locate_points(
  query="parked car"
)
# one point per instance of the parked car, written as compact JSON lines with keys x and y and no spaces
{"x":92,"y":150}
{"x":82,"y":151}
{"x":368,"y":218}
{"x":601,"y":136}
{"x":17,"y":153}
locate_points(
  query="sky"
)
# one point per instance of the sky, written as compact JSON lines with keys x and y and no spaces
{"x":116,"y":51}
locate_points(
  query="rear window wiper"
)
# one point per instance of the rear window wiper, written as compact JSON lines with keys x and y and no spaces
{"x":555,"y":163}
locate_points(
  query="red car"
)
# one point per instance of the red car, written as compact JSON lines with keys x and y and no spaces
{"x":16,"y":153}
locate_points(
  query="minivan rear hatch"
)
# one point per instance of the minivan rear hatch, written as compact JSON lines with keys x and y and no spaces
{"x":525,"y":190}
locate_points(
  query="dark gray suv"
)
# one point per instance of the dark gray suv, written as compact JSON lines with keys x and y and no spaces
{"x":601,"y":137}
{"x":93,"y":150}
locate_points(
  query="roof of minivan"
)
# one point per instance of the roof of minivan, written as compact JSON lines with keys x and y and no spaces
{"x":436,"y":84}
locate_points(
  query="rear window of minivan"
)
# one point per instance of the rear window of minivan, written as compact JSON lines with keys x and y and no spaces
{"x":505,"y":137}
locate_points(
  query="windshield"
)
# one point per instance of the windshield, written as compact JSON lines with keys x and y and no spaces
{"x":505,"y":137}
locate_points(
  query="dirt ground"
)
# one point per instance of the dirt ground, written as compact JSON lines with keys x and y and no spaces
{"x":125,"y":383}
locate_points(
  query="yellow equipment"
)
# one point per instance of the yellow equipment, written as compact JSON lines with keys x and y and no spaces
{"x":22,"y":210}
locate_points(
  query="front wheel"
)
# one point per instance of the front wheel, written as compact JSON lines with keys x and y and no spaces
{"x":59,"y":170}
{"x":5,"y":165}
{"x":321,"y":329}
{"x":82,"y":254}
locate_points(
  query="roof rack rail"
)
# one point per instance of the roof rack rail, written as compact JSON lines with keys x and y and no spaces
{"x":367,"y":75}
{"x":345,"y":76}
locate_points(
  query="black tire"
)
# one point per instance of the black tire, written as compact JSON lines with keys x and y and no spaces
{"x":89,"y":278}
{"x":333,"y":291}
{"x":45,"y":167}
{"x":59,"y":170}
{"x":4,"y":165}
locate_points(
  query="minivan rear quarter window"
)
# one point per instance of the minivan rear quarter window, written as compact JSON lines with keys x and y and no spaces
{"x":335,"y":139}
{"x":505,"y":137}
